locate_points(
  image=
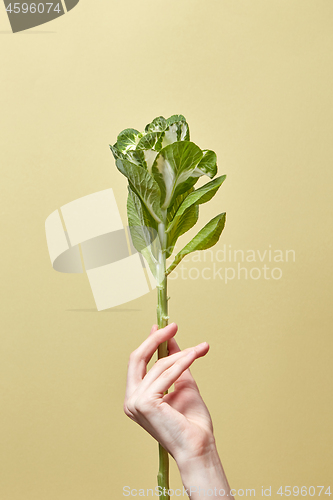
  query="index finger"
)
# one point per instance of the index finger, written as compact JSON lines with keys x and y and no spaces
{"x":186,"y":377}
{"x":137,"y":366}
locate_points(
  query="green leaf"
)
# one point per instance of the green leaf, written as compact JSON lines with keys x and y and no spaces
{"x":177,"y":130}
{"x":172,"y":210}
{"x":148,"y":141}
{"x":171,"y":130}
{"x":208,"y":164}
{"x":184,"y":187}
{"x":184,"y":223}
{"x":145,"y":151}
{"x":173,"y":166}
{"x":145,"y":186}
{"x":168,"y":131}
{"x":136,"y":156}
{"x":176,"y":118}
{"x":116,"y":153}
{"x":142,"y":148}
{"x":148,"y":159}
{"x":127,"y":139}
{"x":144,"y":216}
{"x":198,"y":196}
{"x":144,"y":233}
{"x":206,"y":238}
{"x":157,"y":125}
{"x":184,"y":226}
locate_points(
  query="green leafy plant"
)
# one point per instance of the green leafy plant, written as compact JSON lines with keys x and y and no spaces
{"x":162,"y":167}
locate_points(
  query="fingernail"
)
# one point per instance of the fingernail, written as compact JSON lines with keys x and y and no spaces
{"x":203,"y":344}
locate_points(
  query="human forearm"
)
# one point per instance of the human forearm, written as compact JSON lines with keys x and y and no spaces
{"x":204,"y":476}
{"x":179,"y":420}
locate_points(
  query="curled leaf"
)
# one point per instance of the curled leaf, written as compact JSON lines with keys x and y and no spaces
{"x":206,"y":238}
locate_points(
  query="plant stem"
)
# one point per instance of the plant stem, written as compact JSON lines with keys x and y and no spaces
{"x":162,"y":320}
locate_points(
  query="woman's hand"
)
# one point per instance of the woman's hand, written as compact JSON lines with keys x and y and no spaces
{"x":179,"y":420}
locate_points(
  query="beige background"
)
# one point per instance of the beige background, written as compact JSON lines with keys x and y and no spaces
{"x":254,"y":80}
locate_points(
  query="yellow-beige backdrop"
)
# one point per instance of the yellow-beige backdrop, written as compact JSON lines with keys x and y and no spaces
{"x":254,"y":80}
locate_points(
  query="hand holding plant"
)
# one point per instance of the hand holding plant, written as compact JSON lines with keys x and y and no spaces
{"x":180,"y":420}
{"x":162,"y":166}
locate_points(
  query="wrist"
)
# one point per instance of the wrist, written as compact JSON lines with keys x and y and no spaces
{"x":201,"y":455}
{"x":204,"y":472}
